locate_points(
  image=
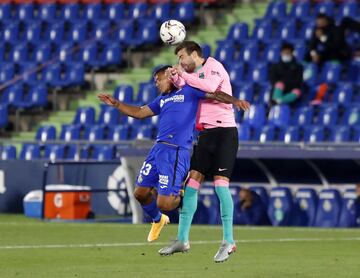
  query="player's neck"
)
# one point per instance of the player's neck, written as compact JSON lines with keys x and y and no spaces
{"x":199,"y":62}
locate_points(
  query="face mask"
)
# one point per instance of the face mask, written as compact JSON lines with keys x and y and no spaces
{"x":323,"y":38}
{"x":286,"y":58}
{"x":357,"y":59}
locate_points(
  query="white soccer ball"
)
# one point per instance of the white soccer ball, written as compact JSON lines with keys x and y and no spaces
{"x":172,"y":32}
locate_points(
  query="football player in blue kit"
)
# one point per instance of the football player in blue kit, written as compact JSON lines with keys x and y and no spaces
{"x":168,"y":161}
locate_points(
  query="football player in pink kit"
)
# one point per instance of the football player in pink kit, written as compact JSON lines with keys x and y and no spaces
{"x":216,"y":149}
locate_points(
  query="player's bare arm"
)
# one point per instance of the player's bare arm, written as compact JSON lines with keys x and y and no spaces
{"x":226,"y":98}
{"x":130,"y":110}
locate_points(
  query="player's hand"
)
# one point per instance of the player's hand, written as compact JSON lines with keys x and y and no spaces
{"x":242,"y":105}
{"x":107,"y":99}
{"x":170,"y":72}
{"x":179,"y":69}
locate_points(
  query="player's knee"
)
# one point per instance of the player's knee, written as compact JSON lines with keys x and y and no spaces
{"x":195,"y":175}
{"x":165,"y":204}
{"x":141,"y":195}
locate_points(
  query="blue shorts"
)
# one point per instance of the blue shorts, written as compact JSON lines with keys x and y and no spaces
{"x":165,"y":168}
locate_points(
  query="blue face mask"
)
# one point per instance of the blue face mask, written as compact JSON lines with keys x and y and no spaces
{"x":286,"y":58}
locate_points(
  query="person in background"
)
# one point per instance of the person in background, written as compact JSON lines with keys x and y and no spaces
{"x":252,"y":210}
{"x":286,"y":77}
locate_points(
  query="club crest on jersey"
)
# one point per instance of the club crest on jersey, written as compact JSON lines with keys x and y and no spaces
{"x":201,"y":75}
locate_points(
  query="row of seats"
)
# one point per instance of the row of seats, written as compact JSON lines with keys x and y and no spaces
{"x":60,"y":152}
{"x":306,"y":10}
{"x":97,"y":12}
{"x":328,"y":208}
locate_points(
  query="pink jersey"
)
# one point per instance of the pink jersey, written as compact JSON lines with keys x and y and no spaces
{"x":211,"y":77}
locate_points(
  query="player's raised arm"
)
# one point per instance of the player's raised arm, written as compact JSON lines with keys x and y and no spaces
{"x":225,"y":98}
{"x":132,"y":111}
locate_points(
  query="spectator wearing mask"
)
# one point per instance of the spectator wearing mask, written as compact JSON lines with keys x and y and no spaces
{"x":286,"y":77}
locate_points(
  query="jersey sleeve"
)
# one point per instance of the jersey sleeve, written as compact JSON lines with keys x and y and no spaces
{"x":155,"y":105}
{"x":178,"y":81}
{"x":196,"y":93}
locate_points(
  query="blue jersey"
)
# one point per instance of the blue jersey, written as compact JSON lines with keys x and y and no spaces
{"x":177,"y":113}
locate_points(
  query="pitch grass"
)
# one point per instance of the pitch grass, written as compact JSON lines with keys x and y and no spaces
{"x":31,"y":248}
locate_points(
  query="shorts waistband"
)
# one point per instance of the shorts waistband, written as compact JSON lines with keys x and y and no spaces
{"x":216,"y":129}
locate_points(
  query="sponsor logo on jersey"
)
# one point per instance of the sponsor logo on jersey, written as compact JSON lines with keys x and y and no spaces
{"x":163,"y":180}
{"x":176,"y":98}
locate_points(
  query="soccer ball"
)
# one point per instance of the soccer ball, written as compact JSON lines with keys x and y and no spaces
{"x":172,"y":32}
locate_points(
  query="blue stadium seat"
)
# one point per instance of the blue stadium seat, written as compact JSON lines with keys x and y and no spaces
{"x":306,"y":201}
{"x":262,"y":192}
{"x":145,"y":132}
{"x":339,"y":134}
{"x":147,"y":93}
{"x":29,"y":73}
{"x":92,"y":12}
{"x":244,"y":132}
{"x":108,"y":116}
{"x":288,"y":31}
{"x":19,"y":53}
{"x":326,"y":7}
{"x":55,"y":32}
{"x":94,"y":133}
{"x":54,"y":152}
{"x":25,"y":12}
{"x":72,"y":152}
{"x":329,"y":208}
{"x":258,"y":73}
{"x":272,"y":53}
{"x":115,"y":11}
{"x":5,"y":12}
{"x":65,"y":52}
{"x":314,"y":134}
{"x":42,"y":53}
{"x":112,"y":54}
{"x":300,"y":10}
{"x":276,"y":10}
{"x":3,"y":116}
{"x":78,"y":32}
{"x":225,"y":54}
{"x":262,"y":31}
{"x":306,"y":31}
{"x":208,"y":209}
{"x":236,"y":73}
{"x":33,"y":32}
{"x":355,"y":137}
{"x":7,"y":152}
{"x":245,"y":92}
{"x":249,"y":53}
{"x":124,"y":33}
{"x":264,"y":93}
{"x":289,"y":134}
{"x":101,"y":30}
{"x":10,"y":33}
{"x":89,"y":55}
{"x":104,"y":153}
{"x":124,"y":93}
{"x":47,"y":12}
{"x":343,"y":94}
{"x":160,"y":11}
{"x":328,"y":115}
{"x":348,"y":9}
{"x":279,"y":115}
{"x":12,"y":95}
{"x":351,"y":116}
{"x":30,"y":152}
{"x":350,"y":211}
{"x":46,"y":133}
{"x":138,"y":10}
{"x":354,"y":72}
{"x":70,"y":12}
{"x":299,"y":51}
{"x":281,"y":205}
{"x":70,"y":132}
{"x":184,"y":12}
{"x":206,"y":50}
{"x":131,"y":122}
{"x":330,"y":73}
{"x":265,"y":134}
{"x":36,"y":97}
{"x":74,"y":74}
{"x":85,"y":116}
{"x":238,"y":32}
{"x":303,"y":116}
{"x":52,"y":74}
{"x":147,"y":33}
{"x":118,"y":132}
{"x":255,"y":116}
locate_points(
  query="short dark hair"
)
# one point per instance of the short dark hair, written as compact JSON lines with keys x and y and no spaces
{"x":190,"y":47}
{"x":160,"y":69}
{"x":287,"y":45}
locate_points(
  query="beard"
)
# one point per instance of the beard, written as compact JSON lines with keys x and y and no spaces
{"x":190,"y":67}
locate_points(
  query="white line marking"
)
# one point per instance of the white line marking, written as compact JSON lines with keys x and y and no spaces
{"x":135,"y":244}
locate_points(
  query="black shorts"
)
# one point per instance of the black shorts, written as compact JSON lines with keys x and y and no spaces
{"x":215,"y":152}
